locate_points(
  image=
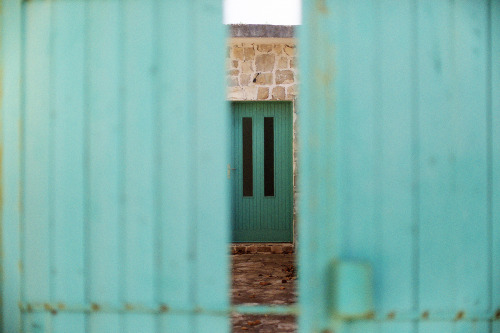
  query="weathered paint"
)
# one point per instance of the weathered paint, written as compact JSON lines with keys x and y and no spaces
{"x":11,"y":169}
{"x":399,"y":161}
{"x":400,"y":125}
{"x":110,"y":211}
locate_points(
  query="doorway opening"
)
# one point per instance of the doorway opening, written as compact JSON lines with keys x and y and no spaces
{"x":262,"y":89}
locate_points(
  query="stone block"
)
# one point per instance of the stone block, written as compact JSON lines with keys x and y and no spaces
{"x":247,"y":67}
{"x":264,"y":48}
{"x":278,"y":49}
{"x":293,"y":63}
{"x":279,"y":93}
{"x":276,"y":249}
{"x":244,"y":79}
{"x":291,"y":91}
{"x":288,"y":249}
{"x":252,"y":249}
{"x":250,"y":92}
{"x":249,"y":53}
{"x":285,"y":76}
{"x":234,"y":72}
{"x":235,"y":63}
{"x":290,"y":50}
{"x":282,"y":63}
{"x":238,"y":52}
{"x":263,"y":93}
{"x":263,"y":249}
{"x":264,"y":62}
{"x":235,"y":93}
{"x":232,"y":81}
{"x":264,"y":79}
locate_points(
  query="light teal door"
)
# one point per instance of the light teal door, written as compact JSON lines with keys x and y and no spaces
{"x":262,"y":172}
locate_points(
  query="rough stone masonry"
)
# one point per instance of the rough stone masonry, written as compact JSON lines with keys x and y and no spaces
{"x":265,"y":69}
{"x":261,"y":71}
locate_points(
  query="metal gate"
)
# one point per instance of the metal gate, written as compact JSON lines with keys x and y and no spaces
{"x":115,"y":200}
{"x":400,"y":166}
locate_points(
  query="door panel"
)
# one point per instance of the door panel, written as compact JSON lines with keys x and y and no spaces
{"x":262,"y":172}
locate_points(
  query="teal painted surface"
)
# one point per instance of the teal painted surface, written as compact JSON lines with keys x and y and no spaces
{"x":399,"y":161}
{"x":116,"y":202}
{"x":261,"y":218}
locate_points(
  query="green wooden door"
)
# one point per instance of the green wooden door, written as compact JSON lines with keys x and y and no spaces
{"x":262,"y":172}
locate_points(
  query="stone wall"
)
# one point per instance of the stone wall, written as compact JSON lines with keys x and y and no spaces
{"x":265,"y":69}
{"x":262,"y":71}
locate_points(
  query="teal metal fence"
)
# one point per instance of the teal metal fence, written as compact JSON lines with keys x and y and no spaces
{"x":115,"y":200}
{"x":399,"y":122}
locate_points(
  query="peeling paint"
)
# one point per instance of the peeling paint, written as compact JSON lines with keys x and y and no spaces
{"x":460,"y":315}
{"x":321,"y":6}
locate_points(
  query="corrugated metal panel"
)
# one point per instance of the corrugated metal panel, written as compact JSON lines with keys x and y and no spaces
{"x":116,"y":200}
{"x":399,"y":161}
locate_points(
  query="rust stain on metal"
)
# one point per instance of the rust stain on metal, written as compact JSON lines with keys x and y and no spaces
{"x":425,"y":315}
{"x":321,"y":5}
{"x":129,"y":307}
{"x":1,"y":164}
{"x":61,"y":306}
{"x":460,"y":315}
{"x":48,"y":308}
{"x":20,"y":266}
{"x":163,"y":308}
{"x":95,"y":307}
{"x":497,"y":314}
{"x":29,"y":308}
{"x":391,"y":315}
